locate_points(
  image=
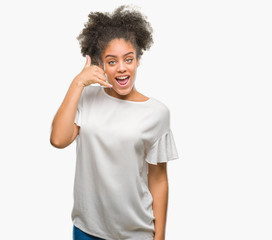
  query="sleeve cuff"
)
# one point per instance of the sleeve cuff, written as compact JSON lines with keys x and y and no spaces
{"x":163,"y":150}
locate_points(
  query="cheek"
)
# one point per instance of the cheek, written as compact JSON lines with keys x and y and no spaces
{"x":133,"y":71}
{"x":110,"y":73}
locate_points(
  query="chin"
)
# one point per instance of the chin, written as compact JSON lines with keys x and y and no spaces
{"x":125,"y":91}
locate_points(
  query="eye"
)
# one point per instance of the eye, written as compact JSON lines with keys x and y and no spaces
{"x":129,"y":60}
{"x":111,"y":62}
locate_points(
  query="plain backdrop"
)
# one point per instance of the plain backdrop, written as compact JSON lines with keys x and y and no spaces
{"x":210,"y":64}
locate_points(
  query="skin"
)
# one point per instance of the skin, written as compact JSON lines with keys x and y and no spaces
{"x":123,"y":61}
{"x":120,"y":59}
{"x":158,"y":187}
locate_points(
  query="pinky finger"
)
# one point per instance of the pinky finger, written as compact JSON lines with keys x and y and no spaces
{"x":104,"y":84}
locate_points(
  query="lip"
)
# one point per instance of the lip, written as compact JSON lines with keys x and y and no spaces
{"x":122,"y":76}
{"x":125,"y":85}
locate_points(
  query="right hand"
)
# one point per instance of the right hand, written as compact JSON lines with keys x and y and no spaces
{"x":92,"y":74}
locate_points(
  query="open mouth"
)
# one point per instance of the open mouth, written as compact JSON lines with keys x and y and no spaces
{"x":122,"y":80}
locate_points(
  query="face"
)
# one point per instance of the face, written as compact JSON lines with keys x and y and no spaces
{"x":120,"y":65}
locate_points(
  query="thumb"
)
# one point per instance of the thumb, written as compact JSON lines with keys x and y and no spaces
{"x":88,"y":61}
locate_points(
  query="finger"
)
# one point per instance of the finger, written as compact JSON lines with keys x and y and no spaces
{"x":88,"y":61}
{"x":99,"y":70}
{"x":103,"y":83}
{"x":101,"y":76}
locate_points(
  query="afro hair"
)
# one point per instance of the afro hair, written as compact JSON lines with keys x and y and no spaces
{"x":101,"y":28}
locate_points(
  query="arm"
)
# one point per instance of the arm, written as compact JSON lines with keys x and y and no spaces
{"x":158,"y":186}
{"x":64,"y":130}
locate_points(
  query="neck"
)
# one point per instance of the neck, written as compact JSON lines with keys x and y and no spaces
{"x":129,"y":96}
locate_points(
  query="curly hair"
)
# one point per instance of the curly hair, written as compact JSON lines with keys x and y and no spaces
{"x":124,"y":23}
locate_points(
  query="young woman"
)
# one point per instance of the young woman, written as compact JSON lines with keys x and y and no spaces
{"x":124,"y":140}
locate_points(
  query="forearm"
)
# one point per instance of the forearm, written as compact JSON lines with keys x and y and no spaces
{"x":62,"y":125}
{"x":159,"y":192}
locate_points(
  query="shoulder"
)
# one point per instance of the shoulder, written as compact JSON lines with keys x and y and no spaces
{"x":91,"y":89}
{"x":159,"y":118}
{"x":160,"y":109}
{"x":90,"y":92}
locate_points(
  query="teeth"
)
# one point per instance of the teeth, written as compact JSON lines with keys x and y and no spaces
{"x":122,"y":77}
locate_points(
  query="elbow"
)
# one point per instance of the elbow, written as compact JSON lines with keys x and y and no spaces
{"x":57,"y":144}
{"x":62,"y":139}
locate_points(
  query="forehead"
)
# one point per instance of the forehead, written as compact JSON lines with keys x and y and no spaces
{"x":119,"y":47}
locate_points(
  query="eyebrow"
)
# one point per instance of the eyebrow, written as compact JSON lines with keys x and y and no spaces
{"x":116,"y":56}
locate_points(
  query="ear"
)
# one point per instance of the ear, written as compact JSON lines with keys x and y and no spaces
{"x":100,"y":65}
{"x":138,"y":62}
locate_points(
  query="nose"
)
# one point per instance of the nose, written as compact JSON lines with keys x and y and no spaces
{"x":121,"y":67}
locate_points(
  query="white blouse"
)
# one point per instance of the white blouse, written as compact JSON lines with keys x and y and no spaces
{"x":117,"y":139}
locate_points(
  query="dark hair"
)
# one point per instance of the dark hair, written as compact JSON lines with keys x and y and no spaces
{"x":124,"y":23}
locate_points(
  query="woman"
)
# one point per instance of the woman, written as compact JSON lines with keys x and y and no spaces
{"x":123,"y":138}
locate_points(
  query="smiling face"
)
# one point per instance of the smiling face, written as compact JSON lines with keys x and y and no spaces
{"x":120,"y":65}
